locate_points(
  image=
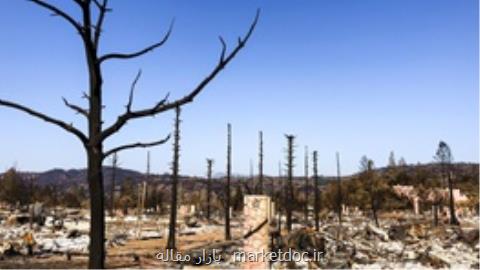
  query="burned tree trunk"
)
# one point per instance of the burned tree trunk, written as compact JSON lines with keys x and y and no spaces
{"x":306,"y":186}
{"x":260,"y":163}
{"x":175,"y":167}
{"x":97,"y":214}
{"x":372,"y":191}
{"x":112,"y":188}
{"x":227,"y":186}
{"x":453,"y":216}
{"x":316,"y":192}
{"x":444,"y":157}
{"x":209,"y":186}
{"x":289,"y":201}
{"x":339,"y":191}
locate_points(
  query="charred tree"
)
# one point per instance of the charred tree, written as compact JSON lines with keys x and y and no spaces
{"x":306,"y":186}
{"x":112,"y":188}
{"x":89,"y":27}
{"x":339,"y":191}
{"x":175,"y":168}
{"x":209,"y":186}
{"x":373,"y":193}
{"x":445,"y":158}
{"x":260,"y":162}
{"x":289,"y":197}
{"x":227,"y":186}
{"x":316,"y":195}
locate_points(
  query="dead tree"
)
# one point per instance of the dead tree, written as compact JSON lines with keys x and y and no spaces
{"x":227,"y":186}
{"x":209,"y":186}
{"x":147,"y":176}
{"x":279,"y":196}
{"x":260,"y":162}
{"x":316,"y":195}
{"x":175,"y":167}
{"x":372,"y":190}
{"x":339,"y":191}
{"x":89,"y":29}
{"x":445,"y":158}
{"x":112,"y":188}
{"x":289,"y":197}
{"x":306,"y":186}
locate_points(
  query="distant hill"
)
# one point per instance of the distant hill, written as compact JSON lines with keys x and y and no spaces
{"x":65,"y":178}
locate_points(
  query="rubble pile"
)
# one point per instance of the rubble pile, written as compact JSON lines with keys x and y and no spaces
{"x":359,"y":244}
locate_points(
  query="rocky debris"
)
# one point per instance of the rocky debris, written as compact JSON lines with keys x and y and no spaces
{"x":412,"y":243}
{"x":191,"y":221}
{"x":381,"y":234}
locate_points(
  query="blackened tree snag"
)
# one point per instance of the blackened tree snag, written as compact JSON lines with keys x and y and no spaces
{"x":227,"y":186}
{"x":175,"y":167}
{"x":316,"y":193}
{"x":445,"y":158}
{"x":89,"y":30}
{"x":209,"y":186}
{"x":290,"y":157}
{"x":306,"y":186}
{"x":339,"y":191}
{"x":260,"y":162}
{"x":372,"y":190}
{"x":112,"y":188}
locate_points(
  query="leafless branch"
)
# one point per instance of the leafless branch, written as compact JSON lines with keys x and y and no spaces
{"x":132,"y":89}
{"x":122,"y":119}
{"x":135,"y":145}
{"x":224,"y":49}
{"x":138,"y":53}
{"x":46,"y":118}
{"x":163,"y":105}
{"x":76,"y":108}
{"x":59,"y":12}
{"x":101,"y":17}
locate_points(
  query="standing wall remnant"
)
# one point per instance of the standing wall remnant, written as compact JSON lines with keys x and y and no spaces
{"x":257,"y":212}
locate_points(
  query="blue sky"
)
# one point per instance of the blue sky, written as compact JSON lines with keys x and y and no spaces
{"x":358,"y":77}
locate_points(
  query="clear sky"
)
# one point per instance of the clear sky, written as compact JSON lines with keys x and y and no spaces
{"x":358,"y":77}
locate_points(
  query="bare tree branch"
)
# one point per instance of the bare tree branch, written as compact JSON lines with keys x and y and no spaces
{"x":163,"y":105}
{"x":101,"y":17}
{"x":76,"y":108}
{"x":135,"y":145}
{"x":46,"y":118}
{"x":122,"y":119}
{"x":132,"y":89}
{"x":138,"y":53}
{"x":59,"y":12}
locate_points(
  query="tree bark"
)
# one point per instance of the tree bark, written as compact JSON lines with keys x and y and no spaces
{"x":97,"y":214}
{"x":209,"y":186}
{"x":175,"y":167}
{"x":289,"y":202}
{"x":227,"y":186}
{"x":316,"y":194}
{"x":306,"y":186}
{"x":453,"y":216}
